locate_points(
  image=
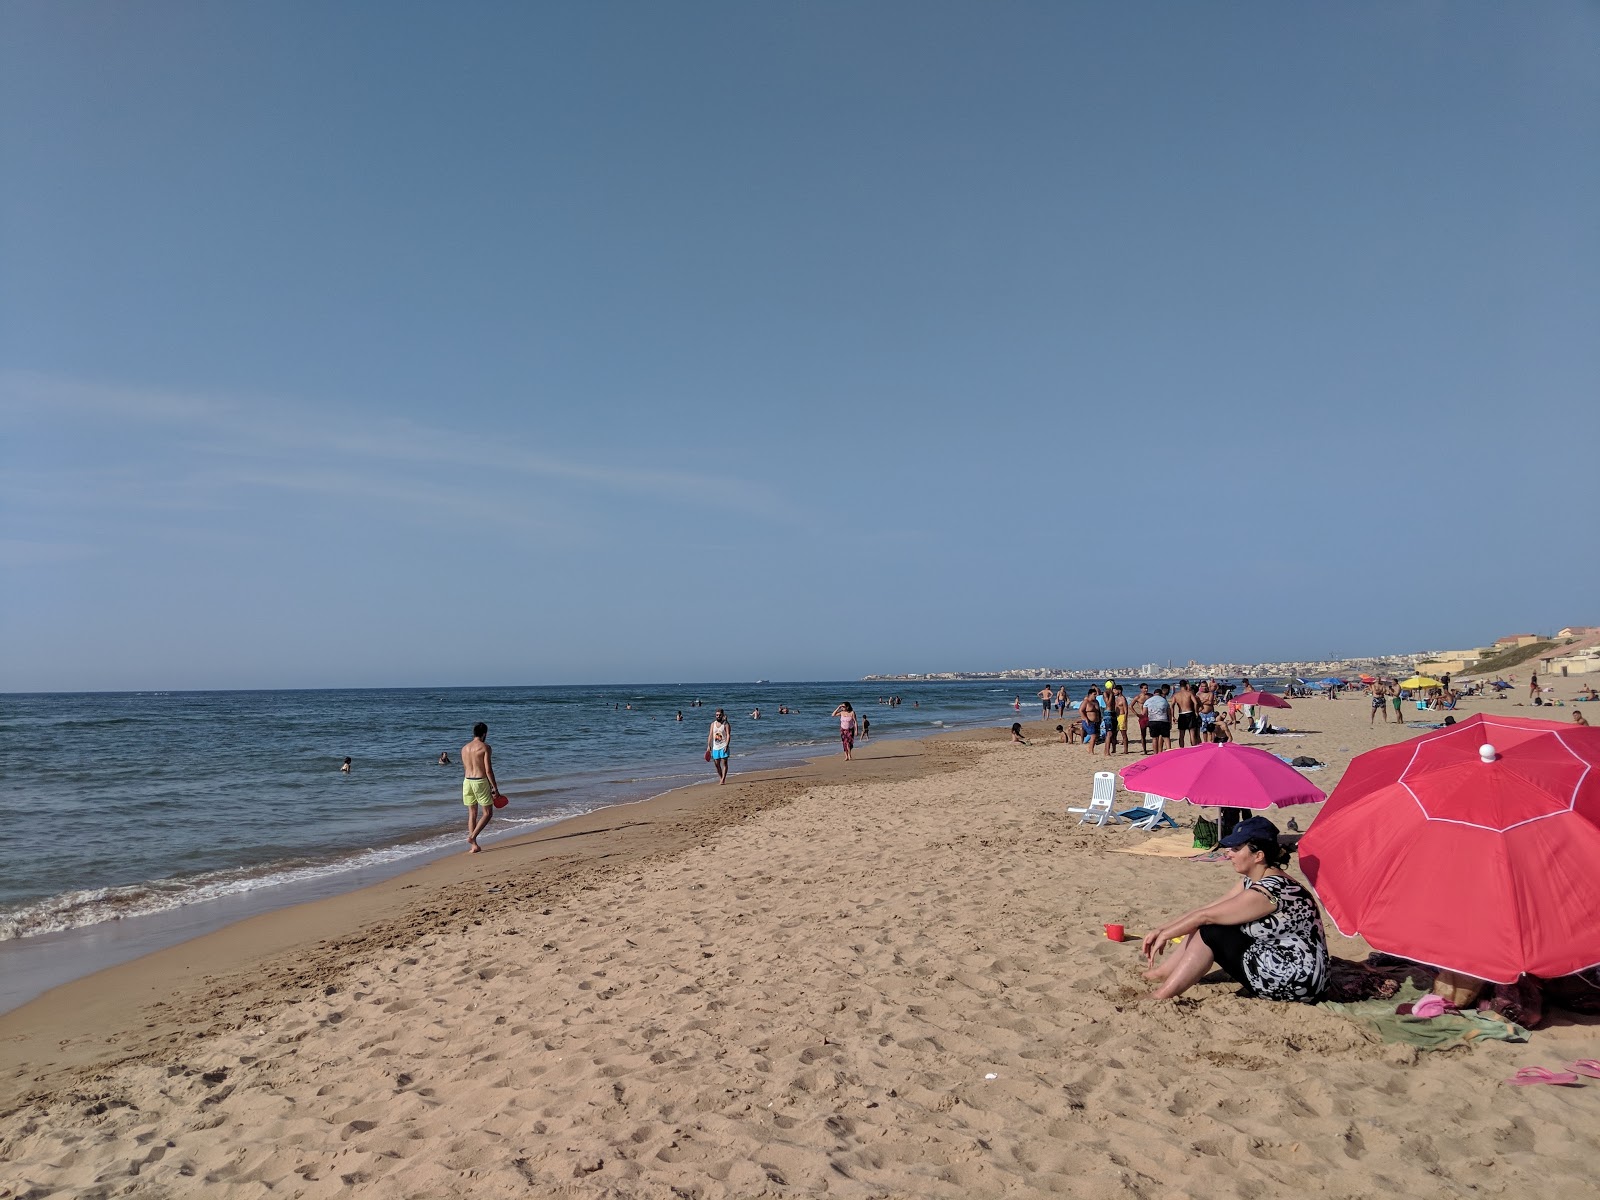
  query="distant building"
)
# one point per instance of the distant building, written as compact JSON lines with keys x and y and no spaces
{"x":1577,"y":630}
{"x":1513,"y":641}
{"x":1585,"y":663}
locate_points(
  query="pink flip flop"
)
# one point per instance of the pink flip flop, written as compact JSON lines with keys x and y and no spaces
{"x":1528,"y":1076}
{"x":1586,"y":1066}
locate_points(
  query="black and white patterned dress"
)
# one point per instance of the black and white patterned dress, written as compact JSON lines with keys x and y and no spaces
{"x":1287,"y":958}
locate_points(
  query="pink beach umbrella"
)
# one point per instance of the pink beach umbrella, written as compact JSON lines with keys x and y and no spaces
{"x":1222,"y":774}
{"x":1264,"y":699}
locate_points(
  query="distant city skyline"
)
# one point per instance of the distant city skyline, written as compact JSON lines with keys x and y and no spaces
{"x":411,"y":344}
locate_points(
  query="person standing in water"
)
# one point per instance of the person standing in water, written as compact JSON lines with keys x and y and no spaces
{"x":718,"y":739}
{"x":479,"y":788}
{"x":847,"y":727}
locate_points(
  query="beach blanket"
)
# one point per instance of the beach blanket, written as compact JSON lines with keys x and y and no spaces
{"x":1179,"y":846}
{"x":1426,"y":1033}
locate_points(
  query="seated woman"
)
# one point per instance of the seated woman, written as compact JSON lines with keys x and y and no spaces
{"x":1266,"y":933}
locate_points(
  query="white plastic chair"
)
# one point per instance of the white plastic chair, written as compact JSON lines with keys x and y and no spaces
{"x":1150,"y":815}
{"x":1099,"y":811}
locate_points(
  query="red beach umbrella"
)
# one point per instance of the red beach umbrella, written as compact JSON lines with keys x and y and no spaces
{"x":1264,"y":699}
{"x":1474,"y":848}
{"x":1222,"y":774}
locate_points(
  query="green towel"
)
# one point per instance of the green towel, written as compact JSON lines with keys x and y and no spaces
{"x":1427,"y":1033}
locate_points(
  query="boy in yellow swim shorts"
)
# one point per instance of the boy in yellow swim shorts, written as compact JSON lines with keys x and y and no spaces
{"x":479,"y":788}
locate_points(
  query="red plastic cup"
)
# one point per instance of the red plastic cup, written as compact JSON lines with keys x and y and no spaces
{"x":500,"y":801}
{"x":1114,"y":932}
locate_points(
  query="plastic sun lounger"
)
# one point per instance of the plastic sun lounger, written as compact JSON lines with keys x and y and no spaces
{"x":1152,"y":814}
{"x":1098,"y":811}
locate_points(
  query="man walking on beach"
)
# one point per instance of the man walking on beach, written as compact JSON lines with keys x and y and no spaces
{"x":1046,"y":695}
{"x":479,"y":788}
{"x":1379,"y":703}
{"x":718,"y":739}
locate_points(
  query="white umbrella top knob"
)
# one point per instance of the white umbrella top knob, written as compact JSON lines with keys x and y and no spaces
{"x":1486,"y":753}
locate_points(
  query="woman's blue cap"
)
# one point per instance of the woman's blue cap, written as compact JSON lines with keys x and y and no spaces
{"x":1252,"y":829}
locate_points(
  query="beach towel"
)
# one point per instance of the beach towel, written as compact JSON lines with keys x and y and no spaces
{"x":1162,"y":847}
{"x":1426,"y":1033}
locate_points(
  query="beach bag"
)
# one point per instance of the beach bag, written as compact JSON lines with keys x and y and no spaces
{"x":1205,"y":833}
{"x":1304,"y":760}
{"x":1460,"y":990}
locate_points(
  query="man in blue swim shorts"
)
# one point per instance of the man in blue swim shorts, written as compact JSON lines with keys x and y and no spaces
{"x":718,"y":739}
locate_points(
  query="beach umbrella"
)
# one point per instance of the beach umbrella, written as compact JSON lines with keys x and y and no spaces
{"x":1420,"y":681}
{"x":1223,"y":774}
{"x":1264,"y":699}
{"x":1474,"y":848}
{"x":1367,"y":678}
{"x":1330,"y":681}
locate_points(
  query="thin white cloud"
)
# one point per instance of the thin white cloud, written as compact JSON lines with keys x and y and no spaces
{"x":18,"y":552}
{"x":253,"y":430}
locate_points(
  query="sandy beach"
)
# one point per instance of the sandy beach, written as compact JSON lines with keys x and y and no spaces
{"x":886,"y":978}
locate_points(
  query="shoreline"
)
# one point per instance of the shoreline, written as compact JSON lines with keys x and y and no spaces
{"x":139,"y":1005}
{"x":34,"y":964}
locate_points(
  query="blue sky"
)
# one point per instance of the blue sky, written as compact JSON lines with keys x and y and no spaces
{"x":385,"y":344}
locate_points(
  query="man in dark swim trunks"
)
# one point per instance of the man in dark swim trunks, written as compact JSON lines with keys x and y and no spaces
{"x":1187,"y":709}
{"x":1159,"y":709}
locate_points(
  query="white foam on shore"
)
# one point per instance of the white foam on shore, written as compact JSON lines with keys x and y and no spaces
{"x":93,"y":906}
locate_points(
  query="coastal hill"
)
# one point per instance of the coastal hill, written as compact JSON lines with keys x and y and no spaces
{"x":1573,"y":650}
{"x":1389,"y":664}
